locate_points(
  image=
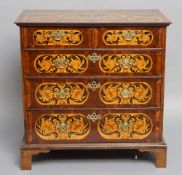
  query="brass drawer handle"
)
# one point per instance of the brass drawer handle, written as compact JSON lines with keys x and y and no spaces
{"x":128,"y":35}
{"x":94,"y":117}
{"x":94,"y":57}
{"x":93,"y":85}
{"x":58,"y":35}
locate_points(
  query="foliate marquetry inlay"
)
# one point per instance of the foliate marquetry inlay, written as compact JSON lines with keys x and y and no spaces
{"x":128,"y":37}
{"x":126,"y":17}
{"x":57,"y":37}
{"x":125,"y":126}
{"x":62,"y":127}
{"x":60,"y":63}
{"x":61,"y":93}
{"x":125,"y":93}
{"x":125,"y":63}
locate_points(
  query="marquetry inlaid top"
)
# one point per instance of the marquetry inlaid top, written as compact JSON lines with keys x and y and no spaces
{"x":92,"y":17}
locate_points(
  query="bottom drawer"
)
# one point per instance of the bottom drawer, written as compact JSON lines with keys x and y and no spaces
{"x":75,"y":126}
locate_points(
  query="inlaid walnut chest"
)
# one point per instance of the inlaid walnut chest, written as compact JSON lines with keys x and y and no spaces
{"x":93,"y":80}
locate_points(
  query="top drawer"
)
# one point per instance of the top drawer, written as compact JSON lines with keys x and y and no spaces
{"x":129,"y":37}
{"x":51,"y":37}
{"x":85,"y":37}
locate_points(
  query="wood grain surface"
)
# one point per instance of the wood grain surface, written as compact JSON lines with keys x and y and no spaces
{"x":93,"y":80}
{"x":91,"y":17}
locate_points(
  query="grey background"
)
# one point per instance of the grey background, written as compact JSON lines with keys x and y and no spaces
{"x":11,"y":117}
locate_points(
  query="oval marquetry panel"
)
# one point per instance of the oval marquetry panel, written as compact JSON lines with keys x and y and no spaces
{"x":128,"y":37}
{"x":60,"y":63}
{"x":62,"y":127}
{"x":125,"y":63}
{"x":125,"y":93}
{"x":125,"y":126}
{"x":57,"y":37}
{"x":61,"y":93}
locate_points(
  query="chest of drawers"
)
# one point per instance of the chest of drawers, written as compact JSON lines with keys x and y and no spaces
{"x":93,"y":80}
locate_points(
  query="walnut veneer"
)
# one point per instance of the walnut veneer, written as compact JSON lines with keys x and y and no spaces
{"x":93,"y":80}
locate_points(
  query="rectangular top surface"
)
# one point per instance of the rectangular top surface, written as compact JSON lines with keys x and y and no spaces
{"x":92,"y":17}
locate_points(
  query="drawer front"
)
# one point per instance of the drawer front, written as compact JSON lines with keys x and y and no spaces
{"x":43,"y":37}
{"x":128,"y":37}
{"x":74,"y":63}
{"x":94,"y":126}
{"x":93,"y":93}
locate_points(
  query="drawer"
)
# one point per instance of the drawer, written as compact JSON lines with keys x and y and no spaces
{"x":78,"y":63}
{"x":103,"y":92}
{"x":104,"y":125}
{"x":129,"y":37}
{"x":51,"y":37}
